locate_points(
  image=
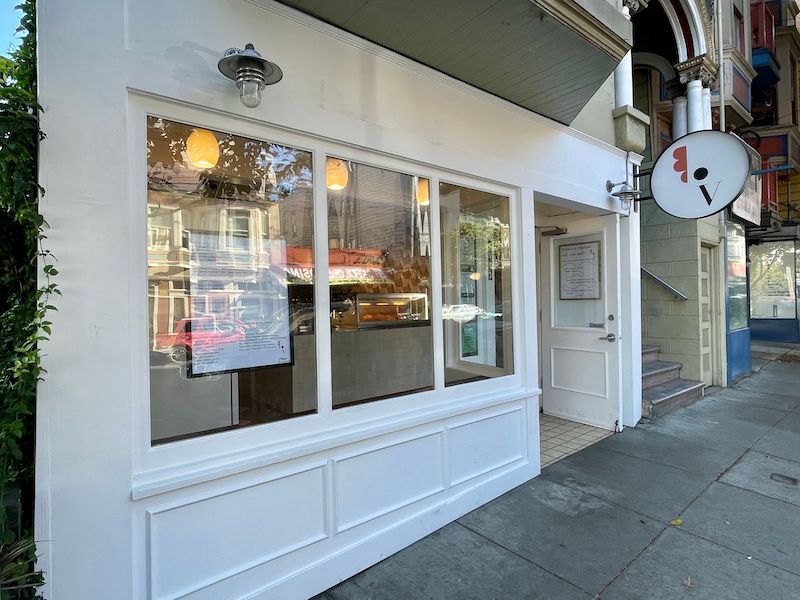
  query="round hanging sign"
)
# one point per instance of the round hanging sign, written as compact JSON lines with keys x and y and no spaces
{"x":700,"y":174}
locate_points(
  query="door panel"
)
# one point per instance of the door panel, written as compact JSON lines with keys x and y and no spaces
{"x":581,"y":323}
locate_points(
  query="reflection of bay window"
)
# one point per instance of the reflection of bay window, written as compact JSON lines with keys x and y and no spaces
{"x":159,"y":228}
{"x":238,"y":229}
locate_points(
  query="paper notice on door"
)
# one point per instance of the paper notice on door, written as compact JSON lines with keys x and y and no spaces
{"x":579,"y":271}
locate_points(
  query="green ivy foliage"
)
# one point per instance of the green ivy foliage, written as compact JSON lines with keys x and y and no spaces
{"x":24,"y":305}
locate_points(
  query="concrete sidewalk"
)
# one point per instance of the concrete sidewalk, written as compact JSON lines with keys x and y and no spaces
{"x":597,"y":524}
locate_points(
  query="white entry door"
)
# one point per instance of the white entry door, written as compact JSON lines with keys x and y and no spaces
{"x":580,"y":329}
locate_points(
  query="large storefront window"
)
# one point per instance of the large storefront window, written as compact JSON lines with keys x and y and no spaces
{"x":476,"y":284}
{"x":773,"y":280}
{"x":379,"y":271}
{"x":230,"y":271}
{"x":737,"y":276}
{"x":231,"y":282}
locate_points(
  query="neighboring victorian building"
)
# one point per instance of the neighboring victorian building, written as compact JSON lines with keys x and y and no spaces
{"x":773,"y":244}
{"x":305,"y":324}
{"x":693,"y":308}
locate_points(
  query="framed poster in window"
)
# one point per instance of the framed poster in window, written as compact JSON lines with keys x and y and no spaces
{"x":579,"y":271}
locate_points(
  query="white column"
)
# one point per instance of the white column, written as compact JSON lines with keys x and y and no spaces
{"x":623,"y":82}
{"x":679,"y":123}
{"x":706,"y":108}
{"x":694,"y":109}
{"x":631,"y":308}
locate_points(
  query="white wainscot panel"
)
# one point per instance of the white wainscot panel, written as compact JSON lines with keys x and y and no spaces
{"x":373,"y":483}
{"x":485,"y":444}
{"x":576,"y":370}
{"x":197,"y":544}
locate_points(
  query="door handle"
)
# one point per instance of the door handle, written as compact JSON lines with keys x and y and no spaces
{"x":609,"y":338}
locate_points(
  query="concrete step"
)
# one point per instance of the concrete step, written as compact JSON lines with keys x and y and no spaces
{"x":659,"y":371}
{"x":650,"y":353}
{"x":664,"y":397}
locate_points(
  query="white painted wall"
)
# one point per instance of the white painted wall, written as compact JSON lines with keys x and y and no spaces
{"x":244,"y":513}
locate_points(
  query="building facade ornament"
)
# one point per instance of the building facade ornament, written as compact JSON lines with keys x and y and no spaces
{"x":707,"y":17}
{"x":635,"y":6}
{"x":700,"y":67}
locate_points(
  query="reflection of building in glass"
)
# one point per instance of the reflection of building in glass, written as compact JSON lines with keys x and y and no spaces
{"x":220,"y":241}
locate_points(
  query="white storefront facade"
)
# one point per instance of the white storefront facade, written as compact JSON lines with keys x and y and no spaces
{"x":350,"y":402}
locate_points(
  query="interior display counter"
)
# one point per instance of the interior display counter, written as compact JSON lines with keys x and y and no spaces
{"x":391,"y":310}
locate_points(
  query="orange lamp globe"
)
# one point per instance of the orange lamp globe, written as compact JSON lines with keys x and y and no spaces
{"x":423,"y":191}
{"x":336,"y":175}
{"x":202,"y":149}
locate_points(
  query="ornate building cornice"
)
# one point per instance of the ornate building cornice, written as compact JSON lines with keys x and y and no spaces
{"x":700,"y":67}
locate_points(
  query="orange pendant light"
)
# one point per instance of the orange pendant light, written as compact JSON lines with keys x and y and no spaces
{"x":423,"y":191}
{"x":336,"y":175}
{"x":202,"y":149}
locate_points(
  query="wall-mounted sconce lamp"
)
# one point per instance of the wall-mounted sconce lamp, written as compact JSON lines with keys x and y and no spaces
{"x":251,"y":72}
{"x":626,"y":194}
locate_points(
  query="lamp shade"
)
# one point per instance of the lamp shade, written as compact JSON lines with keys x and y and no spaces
{"x":202,"y":149}
{"x":336,"y":175}
{"x":423,"y":191}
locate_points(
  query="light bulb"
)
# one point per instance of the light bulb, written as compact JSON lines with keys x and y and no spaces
{"x":250,"y":93}
{"x":475,"y":276}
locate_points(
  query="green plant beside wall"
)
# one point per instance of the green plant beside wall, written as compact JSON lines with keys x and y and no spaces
{"x":24,"y":305}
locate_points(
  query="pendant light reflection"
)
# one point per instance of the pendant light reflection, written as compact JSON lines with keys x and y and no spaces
{"x":475,"y":276}
{"x":336,"y":175}
{"x":202,"y":149}
{"x":423,"y":191}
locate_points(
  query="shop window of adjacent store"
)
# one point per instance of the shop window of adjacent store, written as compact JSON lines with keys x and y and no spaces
{"x":379,"y":274}
{"x":230,"y":296}
{"x":476,"y":284}
{"x":773,"y":280}
{"x":737,"y":276}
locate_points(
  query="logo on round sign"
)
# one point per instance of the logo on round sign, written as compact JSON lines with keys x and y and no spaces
{"x":700,"y":174}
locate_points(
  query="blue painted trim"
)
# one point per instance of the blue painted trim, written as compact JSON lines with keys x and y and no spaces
{"x":739,"y":356}
{"x":776,"y":330}
{"x":737,"y":343}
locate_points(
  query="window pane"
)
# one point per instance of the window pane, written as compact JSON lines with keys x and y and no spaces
{"x":230,"y":271}
{"x":379,"y":253}
{"x":773,"y":289}
{"x":737,"y":276}
{"x":476,"y":284}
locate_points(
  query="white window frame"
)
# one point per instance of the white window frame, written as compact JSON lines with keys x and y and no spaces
{"x":175,"y":465}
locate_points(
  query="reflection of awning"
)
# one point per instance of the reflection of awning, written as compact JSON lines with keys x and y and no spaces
{"x":346,"y":266}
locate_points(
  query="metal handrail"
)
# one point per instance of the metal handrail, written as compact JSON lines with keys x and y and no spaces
{"x":678,"y":294}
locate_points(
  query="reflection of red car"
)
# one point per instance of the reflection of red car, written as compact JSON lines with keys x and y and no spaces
{"x":198,"y":332}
